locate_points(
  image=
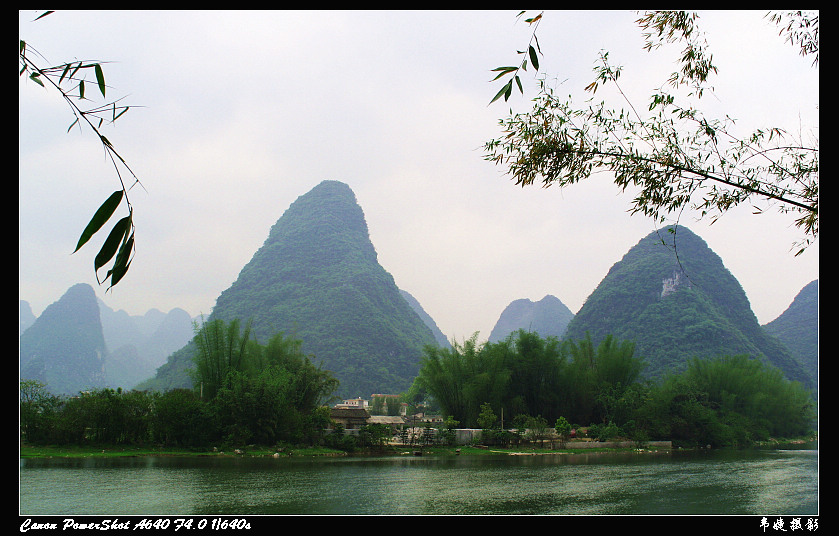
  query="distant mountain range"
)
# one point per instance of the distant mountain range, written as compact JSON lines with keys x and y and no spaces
{"x":64,"y":347}
{"x":317,"y":278}
{"x":79,"y":343}
{"x":138,"y":345}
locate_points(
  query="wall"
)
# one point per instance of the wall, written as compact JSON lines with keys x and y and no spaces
{"x":465,"y":436}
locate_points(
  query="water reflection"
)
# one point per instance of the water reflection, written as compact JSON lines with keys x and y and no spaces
{"x":716,"y":482}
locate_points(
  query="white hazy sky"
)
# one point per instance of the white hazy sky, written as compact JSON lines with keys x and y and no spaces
{"x":243,"y":112}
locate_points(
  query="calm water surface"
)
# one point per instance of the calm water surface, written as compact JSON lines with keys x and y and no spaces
{"x":767,"y":482}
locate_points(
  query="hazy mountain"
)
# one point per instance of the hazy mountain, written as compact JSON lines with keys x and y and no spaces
{"x":27,"y":317}
{"x":138,"y":345}
{"x":798,"y":328}
{"x":674,"y":297}
{"x":64,"y":347}
{"x":548,"y":317}
{"x":426,"y":318}
{"x":317,"y":278}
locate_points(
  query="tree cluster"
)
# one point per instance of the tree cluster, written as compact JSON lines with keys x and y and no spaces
{"x":528,"y":375}
{"x":536,"y":382}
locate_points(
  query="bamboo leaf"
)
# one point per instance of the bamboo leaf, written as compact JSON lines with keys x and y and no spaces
{"x":112,"y":243}
{"x":103,"y":214}
{"x":122,"y":262}
{"x":81,"y":89}
{"x":117,"y":116}
{"x":534,"y":60}
{"x":66,"y":69}
{"x":35,"y":77}
{"x":504,"y":71}
{"x":100,"y":78}
{"x":504,"y":90}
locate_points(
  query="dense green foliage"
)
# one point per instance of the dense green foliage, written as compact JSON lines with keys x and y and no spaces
{"x":725,"y":401}
{"x":675,"y":299}
{"x":528,"y":375}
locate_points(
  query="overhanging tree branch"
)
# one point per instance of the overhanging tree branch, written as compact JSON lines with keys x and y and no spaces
{"x":686,"y":158}
{"x":119,"y":245}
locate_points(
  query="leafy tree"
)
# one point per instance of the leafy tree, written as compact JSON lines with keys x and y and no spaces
{"x":315,"y":425}
{"x":604,"y":431}
{"x":538,"y":383}
{"x":674,"y":156}
{"x":38,"y":411}
{"x":377,"y":406}
{"x":563,"y":430}
{"x":537,"y":429}
{"x":252,"y":410}
{"x":600,"y":376}
{"x":487,"y":419}
{"x":70,"y":81}
{"x":727,"y":401}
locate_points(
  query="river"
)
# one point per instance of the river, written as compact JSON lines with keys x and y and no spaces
{"x":723,"y":482}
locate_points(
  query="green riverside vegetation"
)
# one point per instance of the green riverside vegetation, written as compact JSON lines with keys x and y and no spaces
{"x":725,"y":401}
{"x":271,"y":398}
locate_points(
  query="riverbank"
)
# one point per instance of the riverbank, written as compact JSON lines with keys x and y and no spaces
{"x":104,"y":451}
{"x":29,"y":451}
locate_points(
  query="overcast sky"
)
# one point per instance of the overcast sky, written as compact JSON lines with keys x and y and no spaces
{"x":243,"y":112}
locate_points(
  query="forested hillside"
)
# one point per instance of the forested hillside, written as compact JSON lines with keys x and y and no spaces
{"x":798,"y":328}
{"x":675,"y":299}
{"x":317,"y":278}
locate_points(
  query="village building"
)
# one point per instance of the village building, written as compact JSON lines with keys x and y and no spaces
{"x":350,"y":418}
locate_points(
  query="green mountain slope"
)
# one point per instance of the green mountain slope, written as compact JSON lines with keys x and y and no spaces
{"x":798,"y":328}
{"x":64,"y":348}
{"x":317,"y":278}
{"x":674,"y":297}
